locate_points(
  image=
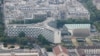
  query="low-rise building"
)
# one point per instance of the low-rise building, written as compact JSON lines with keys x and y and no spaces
{"x":76,"y":10}
{"x":19,"y":52}
{"x":78,"y":51}
{"x":60,"y":51}
{"x":76,"y":30}
{"x":89,"y":51}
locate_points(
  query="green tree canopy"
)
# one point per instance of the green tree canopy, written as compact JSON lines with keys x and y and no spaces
{"x":42,"y":40}
{"x":22,"y":34}
{"x":60,"y":23}
{"x":22,"y":41}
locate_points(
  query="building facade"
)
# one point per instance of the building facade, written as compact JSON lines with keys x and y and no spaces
{"x":76,"y":30}
{"x":27,"y":9}
{"x":89,"y":51}
{"x":19,"y":52}
{"x":76,"y":10}
{"x":31,"y":31}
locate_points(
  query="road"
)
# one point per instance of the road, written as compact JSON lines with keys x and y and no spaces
{"x":39,"y":50}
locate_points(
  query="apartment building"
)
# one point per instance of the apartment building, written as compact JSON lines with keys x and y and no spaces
{"x":25,"y":9}
{"x":89,"y":51}
{"x":19,"y":52}
{"x":76,"y":10}
{"x":56,"y":1}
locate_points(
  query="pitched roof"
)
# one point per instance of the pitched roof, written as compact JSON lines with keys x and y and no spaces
{"x":59,"y":49}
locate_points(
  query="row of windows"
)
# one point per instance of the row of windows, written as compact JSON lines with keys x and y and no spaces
{"x":92,"y":51}
{"x":32,"y":33}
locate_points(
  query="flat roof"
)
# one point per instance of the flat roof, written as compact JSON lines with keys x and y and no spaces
{"x":77,"y":26}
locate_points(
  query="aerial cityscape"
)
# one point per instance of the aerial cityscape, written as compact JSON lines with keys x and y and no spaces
{"x":49,"y":27}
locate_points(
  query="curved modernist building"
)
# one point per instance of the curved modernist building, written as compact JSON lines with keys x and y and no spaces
{"x":31,"y":31}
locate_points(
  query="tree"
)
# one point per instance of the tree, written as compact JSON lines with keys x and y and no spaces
{"x":10,"y":40}
{"x":60,"y":23}
{"x":5,"y":44}
{"x":21,"y":47}
{"x":95,"y":14}
{"x":1,"y":22}
{"x":97,"y":24}
{"x":22,"y":41}
{"x":28,"y":21}
{"x":48,"y":48}
{"x":42,"y":40}
{"x":22,"y":34}
{"x":12,"y":46}
{"x":3,"y":39}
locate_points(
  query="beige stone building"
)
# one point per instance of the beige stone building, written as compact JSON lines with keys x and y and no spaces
{"x":20,"y":52}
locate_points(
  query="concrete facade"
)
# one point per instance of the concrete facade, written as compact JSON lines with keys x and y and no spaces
{"x":32,"y":31}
